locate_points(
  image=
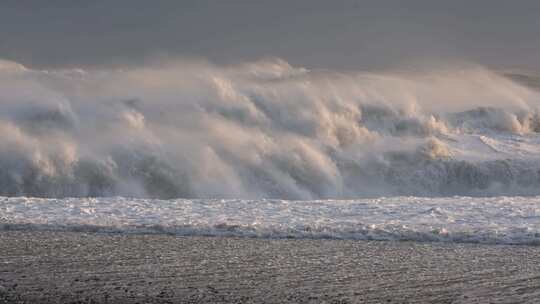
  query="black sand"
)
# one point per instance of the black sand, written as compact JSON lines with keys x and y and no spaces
{"x":47,"y":267}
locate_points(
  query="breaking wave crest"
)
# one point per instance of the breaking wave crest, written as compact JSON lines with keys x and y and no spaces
{"x":266,"y":129}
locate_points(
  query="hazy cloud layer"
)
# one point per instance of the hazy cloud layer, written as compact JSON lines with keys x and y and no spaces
{"x":343,"y":34}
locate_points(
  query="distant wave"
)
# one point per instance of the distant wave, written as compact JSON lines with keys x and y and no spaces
{"x":495,"y":220}
{"x":266,"y":129}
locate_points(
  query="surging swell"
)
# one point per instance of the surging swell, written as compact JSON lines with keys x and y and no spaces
{"x":265,"y":129}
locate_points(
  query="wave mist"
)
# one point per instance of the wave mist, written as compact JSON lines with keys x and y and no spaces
{"x":265,"y":129}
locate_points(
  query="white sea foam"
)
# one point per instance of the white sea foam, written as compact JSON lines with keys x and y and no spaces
{"x":495,"y":220}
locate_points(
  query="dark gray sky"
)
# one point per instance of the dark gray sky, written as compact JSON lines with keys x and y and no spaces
{"x":338,"y":34}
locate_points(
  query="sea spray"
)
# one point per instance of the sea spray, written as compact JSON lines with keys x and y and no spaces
{"x":265,"y":129}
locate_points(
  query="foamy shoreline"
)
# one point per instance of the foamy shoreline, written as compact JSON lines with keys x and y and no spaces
{"x":487,"y":220}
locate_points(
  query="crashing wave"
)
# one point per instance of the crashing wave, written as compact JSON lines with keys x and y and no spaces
{"x":265,"y":129}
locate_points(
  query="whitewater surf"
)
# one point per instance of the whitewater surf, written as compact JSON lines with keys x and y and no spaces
{"x":266,"y":129}
{"x":424,"y":155}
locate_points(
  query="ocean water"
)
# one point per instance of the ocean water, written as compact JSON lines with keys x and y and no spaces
{"x":494,"y":220}
{"x":433,"y":154}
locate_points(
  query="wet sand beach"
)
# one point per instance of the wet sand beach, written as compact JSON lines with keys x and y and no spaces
{"x":62,"y":267}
